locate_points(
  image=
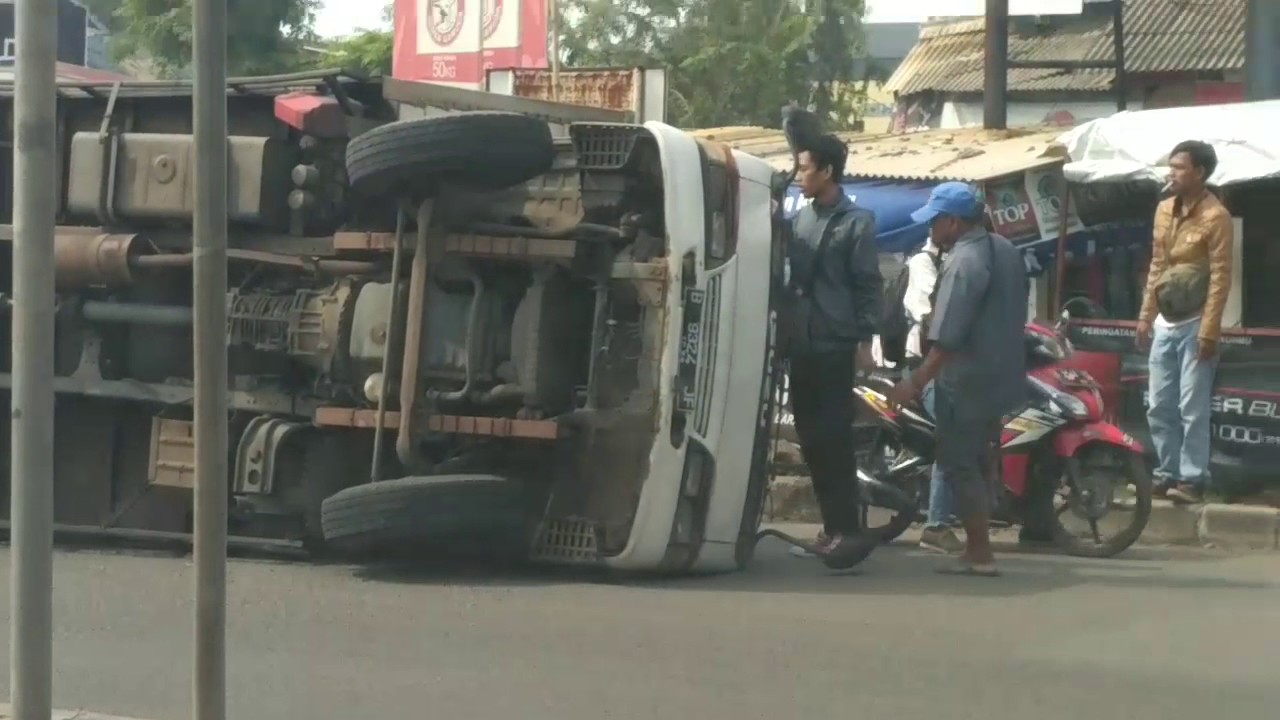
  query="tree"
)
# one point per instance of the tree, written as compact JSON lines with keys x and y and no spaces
{"x":369,"y":51}
{"x":837,"y":42}
{"x":729,"y":61}
{"x":263,"y":36}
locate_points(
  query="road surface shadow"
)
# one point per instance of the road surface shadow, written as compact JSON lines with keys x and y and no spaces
{"x":899,"y":569}
{"x":476,"y":570}
{"x":904,"y":570}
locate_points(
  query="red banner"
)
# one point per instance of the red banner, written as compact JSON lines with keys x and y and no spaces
{"x":453,"y":42}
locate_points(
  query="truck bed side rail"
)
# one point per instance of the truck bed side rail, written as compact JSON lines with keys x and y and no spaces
{"x":444,"y":97}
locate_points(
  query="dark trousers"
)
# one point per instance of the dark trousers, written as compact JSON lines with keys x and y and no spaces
{"x":821,"y":393}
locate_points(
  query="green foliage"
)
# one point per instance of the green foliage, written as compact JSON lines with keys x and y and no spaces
{"x":730,"y":62}
{"x":368,"y":51}
{"x":263,"y":36}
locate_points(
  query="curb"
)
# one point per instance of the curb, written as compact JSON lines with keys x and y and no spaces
{"x":1235,"y":527}
{"x":1239,"y":526}
{"x":7,"y":714}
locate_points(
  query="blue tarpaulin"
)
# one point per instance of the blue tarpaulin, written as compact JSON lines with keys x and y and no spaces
{"x":892,"y":202}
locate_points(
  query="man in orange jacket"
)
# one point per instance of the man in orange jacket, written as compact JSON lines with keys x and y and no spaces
{"x":1181,"y":319}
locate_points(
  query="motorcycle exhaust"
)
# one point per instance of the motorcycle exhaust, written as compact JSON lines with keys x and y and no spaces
{"x":873,"y":487}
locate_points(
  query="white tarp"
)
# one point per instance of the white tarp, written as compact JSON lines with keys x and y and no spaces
{"x":1136,"y":145}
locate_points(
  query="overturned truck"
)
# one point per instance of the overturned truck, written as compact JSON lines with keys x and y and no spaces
{"x":502,"y":320}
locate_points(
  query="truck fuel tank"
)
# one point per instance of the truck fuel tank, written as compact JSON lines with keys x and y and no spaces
{"x":150,"y":176}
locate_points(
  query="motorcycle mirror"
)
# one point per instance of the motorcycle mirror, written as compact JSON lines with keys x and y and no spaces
{"x":799,"y":127}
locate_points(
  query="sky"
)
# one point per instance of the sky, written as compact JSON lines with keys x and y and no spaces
{"x":341,"y":17}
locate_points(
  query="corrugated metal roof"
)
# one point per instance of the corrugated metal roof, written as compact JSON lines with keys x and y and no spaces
{"x":68,"y":73}
{"x":1160,"y":36}
{"x":103,"y":85}
{"x":970,"y":154}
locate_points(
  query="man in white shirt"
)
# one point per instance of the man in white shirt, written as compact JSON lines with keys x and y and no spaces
{"x":922,"y":278}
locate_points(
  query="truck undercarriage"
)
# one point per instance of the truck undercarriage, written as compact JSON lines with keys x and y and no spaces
{"x":465,"y":309}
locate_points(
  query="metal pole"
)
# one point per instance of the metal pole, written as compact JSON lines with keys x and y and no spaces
{"x":35,"y":183}
{"x":995,"y":96}
{"x":1262,"y":56}
{"x":1064,"y":227}
{"x":553,"y":9}
{"x":1117,"y":33}
{"x":209,"y":293}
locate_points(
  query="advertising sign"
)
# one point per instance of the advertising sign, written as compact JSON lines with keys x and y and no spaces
{"x":1245,"y":409}
{"x":454,"y":42}
{"x":1028,"y":208}
{"x":639,"y":91}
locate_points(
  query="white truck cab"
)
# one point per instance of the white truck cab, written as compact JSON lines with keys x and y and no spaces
{"x":701,"y":502}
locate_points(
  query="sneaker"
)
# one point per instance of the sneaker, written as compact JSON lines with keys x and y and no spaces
{"x":846,"y":551}
{"x":1161,"y":488}
{"x":941,"y":540}
{"x":820,"y":543}
{"x":1187,"y":494}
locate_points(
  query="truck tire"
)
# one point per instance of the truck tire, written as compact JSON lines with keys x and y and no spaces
{"x":331,"y":462}
{"x":448,"y":510}
{"x":478,"y":150}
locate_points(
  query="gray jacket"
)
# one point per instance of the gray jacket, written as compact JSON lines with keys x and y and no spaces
{"x":843,"y":286}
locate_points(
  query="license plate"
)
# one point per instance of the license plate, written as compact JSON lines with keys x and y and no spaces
{"x":690,"y":350}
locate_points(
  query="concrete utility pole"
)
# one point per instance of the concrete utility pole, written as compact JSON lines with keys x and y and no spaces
{"x":209,"y":292}
{"x":35,"y":186}
{"x":1262,"y":50}
{"x":1117,"y":43}
{"x":995,"y":95}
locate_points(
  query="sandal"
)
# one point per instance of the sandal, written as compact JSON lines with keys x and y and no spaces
{"x":964,"y":567}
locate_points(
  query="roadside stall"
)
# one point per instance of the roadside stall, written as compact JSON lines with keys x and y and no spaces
{"x":1117,"y":171}
{"x":1019,"y":172}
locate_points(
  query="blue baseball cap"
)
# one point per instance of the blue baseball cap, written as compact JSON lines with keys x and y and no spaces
{"x":956,"y":199}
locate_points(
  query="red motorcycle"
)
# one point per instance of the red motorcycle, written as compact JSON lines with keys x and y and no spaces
{"x":1061,"y":461}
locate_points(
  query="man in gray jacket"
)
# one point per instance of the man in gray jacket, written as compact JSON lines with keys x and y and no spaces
{"x":976,"y":359}
{"x":834,"y":293}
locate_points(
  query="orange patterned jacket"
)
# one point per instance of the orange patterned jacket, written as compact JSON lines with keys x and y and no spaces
{"x":1203,"y":233}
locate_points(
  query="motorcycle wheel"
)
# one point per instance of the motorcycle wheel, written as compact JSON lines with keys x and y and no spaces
{"x":878,"y":454}
{"x":1111,"y":481}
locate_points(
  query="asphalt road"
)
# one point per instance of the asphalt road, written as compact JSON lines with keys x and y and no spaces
{"x":1161,"y":635}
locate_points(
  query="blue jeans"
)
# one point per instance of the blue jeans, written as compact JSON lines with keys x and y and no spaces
{"x":941,"y":505}
{"x":1180,"y":393}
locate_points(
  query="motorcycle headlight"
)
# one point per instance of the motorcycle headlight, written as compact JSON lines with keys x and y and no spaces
{"x":1071,"y":406}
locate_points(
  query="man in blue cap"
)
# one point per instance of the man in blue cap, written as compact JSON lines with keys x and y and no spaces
{"x":975,"y":358}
